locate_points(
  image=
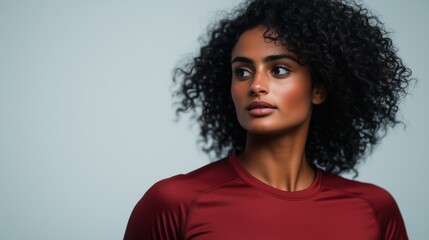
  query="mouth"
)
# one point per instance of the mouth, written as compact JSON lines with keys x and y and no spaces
{"x":259,"y":105}
{"x":260,"y":108}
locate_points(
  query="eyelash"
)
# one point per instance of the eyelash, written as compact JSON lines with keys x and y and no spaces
{"x":277,"y":67}
{"x":239,"y":71}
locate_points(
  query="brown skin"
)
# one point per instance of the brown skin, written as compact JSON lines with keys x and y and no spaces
{"x":275,"y":145}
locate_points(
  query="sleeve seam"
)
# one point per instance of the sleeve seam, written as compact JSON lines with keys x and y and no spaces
{"x":368,"y":202}
{"x":183,"y":231}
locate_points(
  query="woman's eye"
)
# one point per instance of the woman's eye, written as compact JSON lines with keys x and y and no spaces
{"x":279,"y":70}
{"x":242,"y":73}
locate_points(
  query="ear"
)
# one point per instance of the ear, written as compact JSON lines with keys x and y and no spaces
{"x":318,"y":95}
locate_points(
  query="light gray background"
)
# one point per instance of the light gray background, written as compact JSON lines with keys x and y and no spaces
{"x":86,"y":122}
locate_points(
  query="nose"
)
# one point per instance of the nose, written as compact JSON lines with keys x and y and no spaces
{"x":259,"y":85}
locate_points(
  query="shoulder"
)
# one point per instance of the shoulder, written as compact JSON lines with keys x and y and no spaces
{"x":379,"y":198}
{"x":382,"y":203}
{"x":164,"y":208}
{"x":186,"y":187}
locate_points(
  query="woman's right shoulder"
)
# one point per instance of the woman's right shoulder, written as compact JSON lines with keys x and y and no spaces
{"x":160,"y":213}
{"x":169,"y":191}
{"x":186,"y":187}
{"x":163,"y":209}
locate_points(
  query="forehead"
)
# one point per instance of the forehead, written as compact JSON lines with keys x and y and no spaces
{"x":252,"y":43}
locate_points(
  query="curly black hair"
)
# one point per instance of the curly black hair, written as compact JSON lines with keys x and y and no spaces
{"x":349,"y":53}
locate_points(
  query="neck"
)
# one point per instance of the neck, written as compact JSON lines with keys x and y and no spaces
{"x":279,"y":160}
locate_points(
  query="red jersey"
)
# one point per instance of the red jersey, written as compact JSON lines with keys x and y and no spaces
{"x":223,"y":201}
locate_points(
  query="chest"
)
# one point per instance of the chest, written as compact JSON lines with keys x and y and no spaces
{"x":262,"y":217}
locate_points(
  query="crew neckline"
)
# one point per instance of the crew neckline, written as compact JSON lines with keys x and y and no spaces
{"x":309,"y":192}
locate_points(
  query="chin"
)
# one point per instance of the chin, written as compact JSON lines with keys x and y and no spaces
{"x":270,"y":128}
{"x":263,"y":130}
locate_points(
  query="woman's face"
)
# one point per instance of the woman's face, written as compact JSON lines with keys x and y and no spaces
{"x":271,"y":91}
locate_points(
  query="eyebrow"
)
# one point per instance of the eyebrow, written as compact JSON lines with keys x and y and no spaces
{"x":269,"y":58}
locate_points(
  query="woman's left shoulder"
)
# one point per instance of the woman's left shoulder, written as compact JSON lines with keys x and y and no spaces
{"x":373,"y":194}
{"x":382,"y":203}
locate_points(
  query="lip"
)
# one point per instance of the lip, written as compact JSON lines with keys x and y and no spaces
{"x":260,"y":108}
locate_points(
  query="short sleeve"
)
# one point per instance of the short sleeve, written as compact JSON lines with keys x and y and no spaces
{"x":389,"y":217}
{"x":158,"y":215}
{"x":394,"y":227}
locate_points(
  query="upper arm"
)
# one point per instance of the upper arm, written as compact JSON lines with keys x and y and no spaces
{"x":393,"y":225}
{"x":387,"y":212}
{"x":158,"y":215}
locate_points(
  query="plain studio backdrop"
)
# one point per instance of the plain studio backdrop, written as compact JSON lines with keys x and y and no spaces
{"x":87,"y":123}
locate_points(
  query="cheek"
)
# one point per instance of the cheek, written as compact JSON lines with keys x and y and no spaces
{"x":237,"y":95}
{"x":295,"y":96}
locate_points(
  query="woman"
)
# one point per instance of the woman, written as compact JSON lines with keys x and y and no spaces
{"x":295,"y":92}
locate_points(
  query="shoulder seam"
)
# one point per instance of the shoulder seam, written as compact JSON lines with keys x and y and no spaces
{"x":363,"y":199}
{"x":197,"y":198}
